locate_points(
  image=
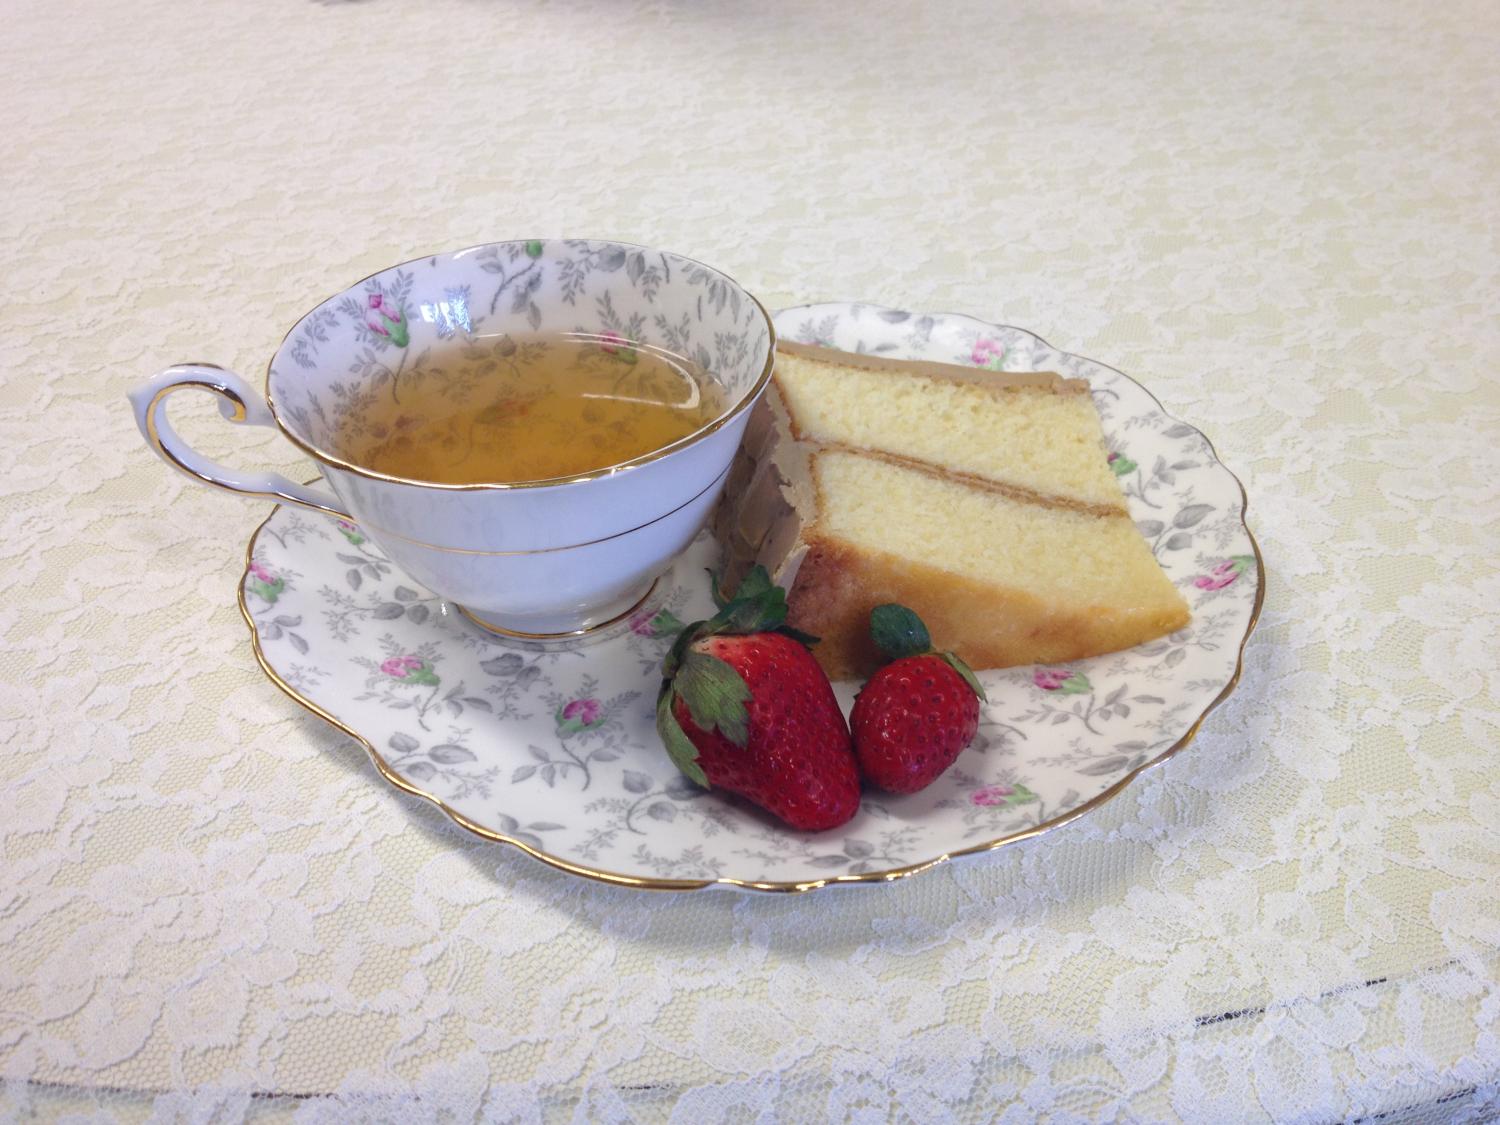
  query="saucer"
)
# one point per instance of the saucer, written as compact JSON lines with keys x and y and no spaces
{"x":552,"y":748}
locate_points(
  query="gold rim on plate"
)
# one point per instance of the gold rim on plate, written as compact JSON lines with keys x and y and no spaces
{"x":616,"y":878}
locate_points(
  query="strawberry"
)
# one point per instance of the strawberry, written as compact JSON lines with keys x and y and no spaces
{"x":916,"y":714}
{"x":745,"y":707}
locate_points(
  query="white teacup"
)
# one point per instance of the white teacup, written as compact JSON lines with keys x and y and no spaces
{"x":530,"y":559}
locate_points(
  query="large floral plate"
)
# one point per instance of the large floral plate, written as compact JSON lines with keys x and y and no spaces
{"x":555,"y":752}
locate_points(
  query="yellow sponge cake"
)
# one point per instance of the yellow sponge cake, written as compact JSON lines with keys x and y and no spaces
{"x":984,"y":501}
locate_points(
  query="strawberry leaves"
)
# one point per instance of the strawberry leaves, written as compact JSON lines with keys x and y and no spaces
{"x":898,"y":632}
{"x":758,"y":613}
{"x":753,"y":585}
{"x":680,"y":748}
{"x":966,"y":672}
{"x":758,"y":606}
{"x":715,"y":695}
{"x":713,"y":692}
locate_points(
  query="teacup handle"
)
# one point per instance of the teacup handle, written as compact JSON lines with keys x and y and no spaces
{"x":238,"y":402}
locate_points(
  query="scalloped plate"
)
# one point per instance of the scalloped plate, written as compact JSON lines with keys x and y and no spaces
{"x":554,"y":750}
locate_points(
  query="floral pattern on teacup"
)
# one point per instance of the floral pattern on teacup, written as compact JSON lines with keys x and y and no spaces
{"x":617,"y":347}
{"x":387,"y":318}
{"x":376,"y":339}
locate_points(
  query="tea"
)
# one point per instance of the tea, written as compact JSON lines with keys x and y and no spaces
{"x":518,"y":408}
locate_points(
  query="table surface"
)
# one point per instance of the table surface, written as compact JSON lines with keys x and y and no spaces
{"x":1282,"y":218}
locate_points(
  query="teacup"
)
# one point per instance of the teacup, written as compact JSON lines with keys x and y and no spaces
{"x":526,"y":559}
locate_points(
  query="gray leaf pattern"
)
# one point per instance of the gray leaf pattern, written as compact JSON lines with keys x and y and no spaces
{"x":556,"y":748}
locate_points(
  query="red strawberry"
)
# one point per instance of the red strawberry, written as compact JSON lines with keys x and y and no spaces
{"x":745,"y":707}
{"x":915,"y":715}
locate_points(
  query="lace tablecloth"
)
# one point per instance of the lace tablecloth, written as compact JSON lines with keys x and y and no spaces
{"x":1282,"y":218}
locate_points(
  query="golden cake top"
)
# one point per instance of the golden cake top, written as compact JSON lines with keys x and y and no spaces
{"x":952,"y":372}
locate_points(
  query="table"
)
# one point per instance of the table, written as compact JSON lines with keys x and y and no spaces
{"x":1282,"y":218}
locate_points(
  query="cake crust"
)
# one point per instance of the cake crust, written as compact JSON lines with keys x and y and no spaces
{"x":837,"y":585}
{"x":951,"y":372}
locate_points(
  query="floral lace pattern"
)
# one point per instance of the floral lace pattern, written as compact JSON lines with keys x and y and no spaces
{"x":1280,"y":219}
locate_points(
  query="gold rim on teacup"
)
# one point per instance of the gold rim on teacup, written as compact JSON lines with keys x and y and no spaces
{"x":385,"y":531}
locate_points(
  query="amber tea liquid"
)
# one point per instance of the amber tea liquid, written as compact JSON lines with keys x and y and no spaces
{"x":508,"y":409}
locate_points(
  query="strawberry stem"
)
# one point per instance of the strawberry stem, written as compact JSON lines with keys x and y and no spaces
{"x":758,"y":606}
{"x":899,"y":632}
{"x":718,"y":595}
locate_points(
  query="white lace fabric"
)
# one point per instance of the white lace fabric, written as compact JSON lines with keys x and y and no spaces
{"x":1280,"y":219}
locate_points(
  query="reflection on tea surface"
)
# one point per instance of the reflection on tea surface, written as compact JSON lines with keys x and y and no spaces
{"x":504,"y":409}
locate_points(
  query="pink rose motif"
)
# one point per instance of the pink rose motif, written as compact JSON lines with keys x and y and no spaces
{"x":1050,"y":679}
{"x":1225,"y":573}
{"x":385,"y":318}
{"x":578,"y":715}
{"x":1216,"y":579}
{"x":349,"y":531}
{"x":1064,"y":680}
{"x":987,"y":353}
{"x":397,"y":666}
{"x":991,"y":795}
{"x":409,"y":670}
{"x":377,"y":325}
{"x":264,"y":583}
{"x":655,"y":623}
{"x":617,"y":347}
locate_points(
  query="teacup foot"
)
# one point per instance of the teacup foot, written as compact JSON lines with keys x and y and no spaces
{"x":589,"y":632}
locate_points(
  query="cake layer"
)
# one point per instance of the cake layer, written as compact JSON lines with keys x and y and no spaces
{"x":1015,"y":552}
{"x":999,"y":581}
{"x":1034,"y":432}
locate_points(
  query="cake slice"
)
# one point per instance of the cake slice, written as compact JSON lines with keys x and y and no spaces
{"x":984,"y":501}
